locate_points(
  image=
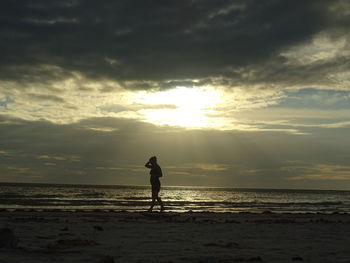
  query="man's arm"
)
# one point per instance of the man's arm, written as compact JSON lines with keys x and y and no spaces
{"x":148,"y":165}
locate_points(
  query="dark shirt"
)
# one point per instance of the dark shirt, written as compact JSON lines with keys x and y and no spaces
{"x":156,"y":171}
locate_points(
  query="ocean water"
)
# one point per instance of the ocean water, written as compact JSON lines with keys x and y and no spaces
{"x":176,"y":199}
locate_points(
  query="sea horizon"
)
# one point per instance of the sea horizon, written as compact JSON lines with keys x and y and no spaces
{"x":181,"y":186}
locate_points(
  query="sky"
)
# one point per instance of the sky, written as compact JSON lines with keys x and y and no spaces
{"x":243,"y":93}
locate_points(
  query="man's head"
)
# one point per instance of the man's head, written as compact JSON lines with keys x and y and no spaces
{"x":153,"y":159}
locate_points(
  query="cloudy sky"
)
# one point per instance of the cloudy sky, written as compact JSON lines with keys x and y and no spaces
{"x":244,"y":93}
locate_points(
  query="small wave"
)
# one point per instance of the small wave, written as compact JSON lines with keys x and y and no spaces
{"x":45,"y":196}
{"x":11,"y":195}
{"x":136,"y":198}
{"x":315,"y":203}
{"x":253,"y":204}
{"x":21,"y":196}
{"x":92,"y":195}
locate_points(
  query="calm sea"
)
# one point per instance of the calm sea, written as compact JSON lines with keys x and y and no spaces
{"x":176,"y":199}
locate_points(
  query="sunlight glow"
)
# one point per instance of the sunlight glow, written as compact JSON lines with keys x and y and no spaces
{"x":190,"y":107}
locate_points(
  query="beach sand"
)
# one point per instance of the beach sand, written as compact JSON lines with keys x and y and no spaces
{"x":112,"y":236}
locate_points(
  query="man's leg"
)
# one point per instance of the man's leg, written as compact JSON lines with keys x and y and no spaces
{"x":160,"y":202}
{"x":154,"y":197}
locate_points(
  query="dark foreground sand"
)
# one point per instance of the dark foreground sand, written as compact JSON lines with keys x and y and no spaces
{"x":105,"y":237}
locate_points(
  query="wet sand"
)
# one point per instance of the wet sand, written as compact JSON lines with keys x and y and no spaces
{"x":112,"y":236}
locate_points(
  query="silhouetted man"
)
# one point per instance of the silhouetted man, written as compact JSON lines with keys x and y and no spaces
{"x":155,"y":173}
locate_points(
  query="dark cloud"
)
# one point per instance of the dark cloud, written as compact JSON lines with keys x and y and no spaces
{"x":41,"y":97}
{"x":275,"y":73}
{"x":116,"y":108}
{"x":151,"y":40}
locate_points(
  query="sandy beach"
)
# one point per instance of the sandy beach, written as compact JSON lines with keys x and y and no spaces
{"x":111,"y":236}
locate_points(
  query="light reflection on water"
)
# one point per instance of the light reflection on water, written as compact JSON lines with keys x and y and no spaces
{"x":176,"y":199}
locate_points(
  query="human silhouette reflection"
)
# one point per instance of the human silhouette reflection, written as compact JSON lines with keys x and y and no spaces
{"x":155,"y":173}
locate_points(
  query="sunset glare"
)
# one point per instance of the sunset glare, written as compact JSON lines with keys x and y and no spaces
{"x":184,"y":107}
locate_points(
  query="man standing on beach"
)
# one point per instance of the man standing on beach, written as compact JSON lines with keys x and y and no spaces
{"x":155,"y":173}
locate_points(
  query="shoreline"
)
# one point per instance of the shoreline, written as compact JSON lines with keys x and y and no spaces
{"x":120,"y":236}
{"x":103,"y":210}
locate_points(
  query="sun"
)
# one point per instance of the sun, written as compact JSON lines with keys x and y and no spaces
{"x":181,"y":106}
